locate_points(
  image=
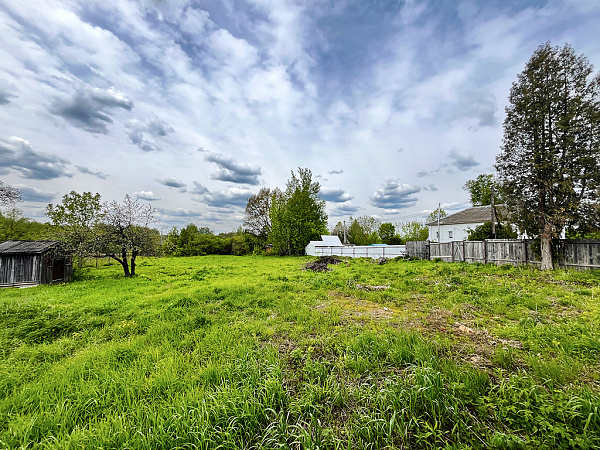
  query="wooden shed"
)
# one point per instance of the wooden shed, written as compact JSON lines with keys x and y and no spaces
{"x":29,"y":263}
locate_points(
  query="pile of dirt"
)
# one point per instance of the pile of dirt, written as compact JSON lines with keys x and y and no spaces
{"x":321,"y":264}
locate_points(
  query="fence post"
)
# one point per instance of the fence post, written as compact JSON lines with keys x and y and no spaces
{"x":485,"y":251}
{"x":525,"y":242}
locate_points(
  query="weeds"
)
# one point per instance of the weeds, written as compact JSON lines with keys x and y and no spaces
{"x":254,"y":352}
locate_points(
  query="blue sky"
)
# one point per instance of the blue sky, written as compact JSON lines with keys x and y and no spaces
{"x":193,"y":106}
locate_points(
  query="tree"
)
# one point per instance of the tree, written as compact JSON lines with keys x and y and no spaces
{"x":257,"y":220}
{"x":125,"y":232}
{"x":433,"y":215}
{"x":480,"y":190}
{"x":9,"y":196}
{"x":484,"y":231}
{"x":297,"y":215}
{"x":549,"y":164}
{"x":74,"y":222}
{"x":414,"y":231}
{"x":386,"y":232}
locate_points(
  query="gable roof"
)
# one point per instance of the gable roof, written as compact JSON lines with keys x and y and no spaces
{"x":12,"y":247}
{"x":476,"y":214}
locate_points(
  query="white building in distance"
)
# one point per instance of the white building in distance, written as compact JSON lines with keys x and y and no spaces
{"x":456,"y":227}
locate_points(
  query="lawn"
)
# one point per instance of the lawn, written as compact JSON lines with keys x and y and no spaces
{"x":255,"y":352}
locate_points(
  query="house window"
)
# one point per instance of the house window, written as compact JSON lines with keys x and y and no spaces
{"x":449,"y":234}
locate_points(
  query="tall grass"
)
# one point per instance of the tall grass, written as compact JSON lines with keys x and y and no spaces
{"x":254,"y":352}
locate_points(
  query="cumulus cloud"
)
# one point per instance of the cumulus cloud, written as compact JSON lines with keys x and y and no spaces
{"x":31,"y":194}
{"x":172,"y":182}
{"x":395,"y":195}
{"x":462,"y":161}
{"x":17,"y":154}
{"x":144,"y":133}
{"x":232,"y":171}
{"x":336,"y":172}
{"x":237,"y":197}
{"x":199,"y":189}
{"x":430,"y":188}
{"x":87,"y":171}
{"x":344,"y":209}
{"x":91,"y":108}
{"x":335,"y":195}
{"x":146,"y":195}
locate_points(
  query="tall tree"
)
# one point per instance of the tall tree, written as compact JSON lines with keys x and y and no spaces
{"x":257,"y":220}
{"x":386,"y":232}
{"x":480,"y":190}
{"x":74,"y":221}
{"x":125,"y":232}
{"x":9,"y":196}
{"x":414,"y":231}
{"x":297,"y":215}
{"x":549,"y":165}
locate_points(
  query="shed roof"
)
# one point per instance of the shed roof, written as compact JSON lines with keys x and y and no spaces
{"x":476,"y":214}
{"x":11,"y":247}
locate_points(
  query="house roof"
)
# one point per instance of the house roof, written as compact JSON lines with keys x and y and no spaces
{"x":12,"y":247}
{"x":476,"y":214}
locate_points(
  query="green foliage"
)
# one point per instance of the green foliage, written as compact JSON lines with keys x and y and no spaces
{"x":13,"y":226}
{"x":484,"y":231}
{"x":480,"y":190}
{"x":414,"y":231}
{"x":433,"y":216}
{"x":549,"y":165}
{"x":386,"y":232}
{"x":297,"y":215}
{"x":75,"y":220}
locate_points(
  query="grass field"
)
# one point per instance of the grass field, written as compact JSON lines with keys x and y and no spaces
{"x":255,"y":352}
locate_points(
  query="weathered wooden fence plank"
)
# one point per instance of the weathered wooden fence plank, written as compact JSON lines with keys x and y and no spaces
{"x":573,"y":253}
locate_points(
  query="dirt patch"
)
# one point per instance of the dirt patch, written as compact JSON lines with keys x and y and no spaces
{"x":322,"y":264}
{"x":357,"y":308}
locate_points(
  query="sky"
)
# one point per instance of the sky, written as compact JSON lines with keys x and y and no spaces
{"x":192,"y":106}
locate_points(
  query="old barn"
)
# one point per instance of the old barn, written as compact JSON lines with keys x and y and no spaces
{"x":29,"y":263}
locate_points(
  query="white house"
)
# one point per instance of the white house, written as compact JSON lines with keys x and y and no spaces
{"x":456,"y":227}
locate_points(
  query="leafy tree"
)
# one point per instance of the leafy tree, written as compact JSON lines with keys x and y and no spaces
{"x":480,"y":190}
{"x":433,"y":216}
{"x":414,"y":231}
{"x":297,"y":215}
{"x":9,"y":196}
{"x":484,"y":231}
{"x":257,"y":220}
{"x":74,"y":221}
{"x":125,"y":233}
{"x":549,"y":165}
{"x":386,"y":232}
{"x":338,"y":231}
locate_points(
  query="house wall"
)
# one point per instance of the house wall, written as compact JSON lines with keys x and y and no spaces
{"x":454,"y":232}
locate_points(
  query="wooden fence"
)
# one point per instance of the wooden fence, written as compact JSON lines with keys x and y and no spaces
{"x":572,"y":253}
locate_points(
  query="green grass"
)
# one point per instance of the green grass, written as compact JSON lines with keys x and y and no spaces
{"x":254,"y":352}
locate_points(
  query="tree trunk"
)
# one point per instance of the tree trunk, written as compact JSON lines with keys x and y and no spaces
{"x":546,"y":248}
{"x":124,"y":262}
{"x":133,"y":256}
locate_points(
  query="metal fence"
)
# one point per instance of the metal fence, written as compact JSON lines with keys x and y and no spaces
{"x":363,"y":251}
{"x":572,"y":253}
